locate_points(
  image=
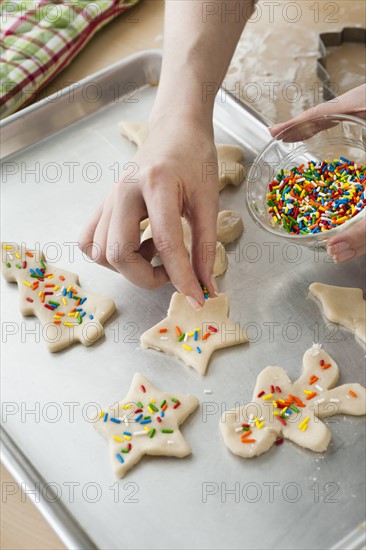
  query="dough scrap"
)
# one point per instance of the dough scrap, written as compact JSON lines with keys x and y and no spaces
{"x":34,"y":277}
{"x":229,"y":157}
{"x":310,"y":395}
{"x":211,"y":319}
{"x":229,"y":228}
{"x":344,"y":306}
{"x":134,"y":427}
{"x":134,"y":131}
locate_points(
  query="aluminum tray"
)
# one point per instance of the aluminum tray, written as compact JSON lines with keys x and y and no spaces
{"x":335,"y":38}
{"x":288,"y":497}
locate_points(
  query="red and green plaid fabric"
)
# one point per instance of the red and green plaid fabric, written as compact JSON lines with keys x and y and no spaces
{"x":39,"y":38}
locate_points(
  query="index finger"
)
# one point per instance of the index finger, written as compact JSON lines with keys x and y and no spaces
{"x":166,"y":227}
{"x":123,"y":245}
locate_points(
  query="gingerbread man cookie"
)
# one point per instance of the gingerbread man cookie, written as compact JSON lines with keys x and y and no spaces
{"x":281,"y":409}
{"x":55,"y":297}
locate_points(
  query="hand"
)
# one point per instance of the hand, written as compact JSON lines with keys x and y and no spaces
{"x":351,"y":103}
{"x":176,"y":176}
{"x":351,"y":243}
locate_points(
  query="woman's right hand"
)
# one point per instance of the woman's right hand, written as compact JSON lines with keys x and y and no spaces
{"x":176,"y":175}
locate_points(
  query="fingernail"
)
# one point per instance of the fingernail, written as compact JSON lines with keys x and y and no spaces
{"x":337,"y":248}
{"x":214,"y":284}
{"x":344,"y":256}
{"x":194,"y":303}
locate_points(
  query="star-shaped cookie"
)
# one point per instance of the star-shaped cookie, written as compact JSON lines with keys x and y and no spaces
{"x":146,"y":422}
{"x":281,"y":409}
{"x":67,"y":313}
{"x":344,"y":306}
{"x":193,"y":336}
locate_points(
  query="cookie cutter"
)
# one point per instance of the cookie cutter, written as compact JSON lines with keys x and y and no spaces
{"x":329,"y":39}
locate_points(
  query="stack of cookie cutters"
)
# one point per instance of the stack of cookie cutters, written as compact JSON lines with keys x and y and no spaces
{"x":329,"y":39}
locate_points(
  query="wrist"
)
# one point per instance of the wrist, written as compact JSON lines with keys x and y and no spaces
{"x":189,"y":100}
{"x":180,"y":111}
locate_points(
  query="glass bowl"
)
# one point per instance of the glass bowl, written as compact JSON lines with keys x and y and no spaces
{"x":323,"y":138}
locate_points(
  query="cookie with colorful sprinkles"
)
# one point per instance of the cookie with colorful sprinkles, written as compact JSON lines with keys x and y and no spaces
{"x":193,"y":336}
{"x":67,"y":313}
{"x":146,"y":422}
{"x":281,"y":409}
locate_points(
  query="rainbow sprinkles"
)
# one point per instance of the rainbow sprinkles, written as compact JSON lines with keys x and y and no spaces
{"x":317,"y":197}
{"x":146,"y":422}
{"x":193,"y":336}
{"x":281,"y":409}
{"x":67,"y":313}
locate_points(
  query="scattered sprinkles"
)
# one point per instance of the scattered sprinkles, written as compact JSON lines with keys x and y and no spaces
{"x":283,"y":407}
{"x":55,"y":296}
{"x":205,"y":291}
{"x":318,"y":196}
{"x":149,"y":417}
{"x":291,"y":409}
{"x":190,"y":337}
{"x":138,"y":417}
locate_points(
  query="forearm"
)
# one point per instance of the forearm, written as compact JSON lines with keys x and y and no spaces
{"x":199,"y":40}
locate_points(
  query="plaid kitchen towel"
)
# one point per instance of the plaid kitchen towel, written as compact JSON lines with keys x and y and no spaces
{"x":39,"y":38}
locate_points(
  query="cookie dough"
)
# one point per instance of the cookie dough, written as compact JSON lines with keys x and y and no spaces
{"x":281,"y":409}
{"x":229,"y":228}
{"x":344,"y":306}
{"x":229,"y":157}
{"x":193,"y":336}
{"x":134,"y":131}
{"x":221,"y":261}
{"x":67,"y":313}
{"x":146,"y":422}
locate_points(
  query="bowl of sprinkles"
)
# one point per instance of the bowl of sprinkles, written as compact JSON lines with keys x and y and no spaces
{"x":309,"y":182}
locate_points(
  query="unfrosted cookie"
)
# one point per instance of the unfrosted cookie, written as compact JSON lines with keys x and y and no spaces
{"x":67,"y":313}
{"x":344,"y":306}
{"x":145,"y":422}
{"x":281,"y":409}
{"x":229,"y":157}
{"x":221,"y":261}
{"x":134,"y":131}
{"x":193,"y":336}
{"x":229,"y":226}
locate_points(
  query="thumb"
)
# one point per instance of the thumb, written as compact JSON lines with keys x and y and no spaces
{"x":352,"y":102}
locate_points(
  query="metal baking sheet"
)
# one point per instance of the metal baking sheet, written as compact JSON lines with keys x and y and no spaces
{"x":286,"y":498}
{"x":331,"y":39}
